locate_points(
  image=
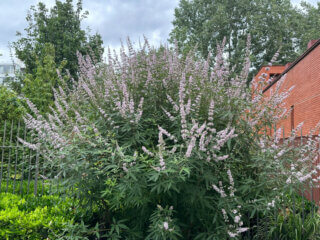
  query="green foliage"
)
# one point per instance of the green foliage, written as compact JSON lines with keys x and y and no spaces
{"x":293,"y":226}
{"x":116,"y":230}
{"x":11,"y":105}
{"x":34,"y":217}
{"x":272,"y":24}
{"x":294,"y":218}
{"x":308,"y":24}
{"x":38,"y":87}
{"x":162,"y":226}
{"x":61,"y":27}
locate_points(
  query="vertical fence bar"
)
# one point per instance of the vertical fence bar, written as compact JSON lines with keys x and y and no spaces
{"x":312,"y":207}
{"x":43,"y":177}
{"x":9,"y":157}
{"x":283,"y":137}
{"x":303,"y":213}
{"x":293,"y":197}
{"x":257,"y":218}
{"x":317,"y":183}
{"x":294,"y":204}
{"x":58,"y":187}
{"x":51,"y":181}
{"x":2,"y":152}
{"x":23,"y":163}
{"x":29,"y":173}
{"x":275,"y":135}
{"x":16,"y":162}
{"x":35,"y":189}
{"x":249,"y":231}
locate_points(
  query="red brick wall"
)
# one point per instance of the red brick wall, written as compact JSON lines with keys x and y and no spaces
{"x":305,"y":97}
{"x":272,"y":70}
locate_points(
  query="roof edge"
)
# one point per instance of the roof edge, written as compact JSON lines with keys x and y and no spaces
{"x":317,"y":43}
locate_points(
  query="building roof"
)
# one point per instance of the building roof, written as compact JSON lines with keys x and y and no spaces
{"x":310,"y":49}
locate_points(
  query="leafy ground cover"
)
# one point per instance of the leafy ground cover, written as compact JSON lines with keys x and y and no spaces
{"x":32,"y":217}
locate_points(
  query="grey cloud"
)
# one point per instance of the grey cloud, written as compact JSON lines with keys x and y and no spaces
{"x":12,"y":18}
{"x":119,"y":19}
{"x":113,"y":19}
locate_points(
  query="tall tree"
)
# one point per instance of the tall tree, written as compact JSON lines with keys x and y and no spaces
{"x":38,"y":87}
{"x":272,"y":24}
{"x":309,"y":23}
{"x":61,"y":27}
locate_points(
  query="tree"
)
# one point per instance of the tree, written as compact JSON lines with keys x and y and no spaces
{"x":61,"y":27}
{"x":38,"y":87}
{"x":309,"y":23}
{"x":272,"y":24}
{"x":11,"y":107}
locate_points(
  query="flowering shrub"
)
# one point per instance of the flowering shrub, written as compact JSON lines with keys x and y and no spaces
{"x":164,"y":146}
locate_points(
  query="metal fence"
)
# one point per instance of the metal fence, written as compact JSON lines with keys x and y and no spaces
{"x":21,"y":168}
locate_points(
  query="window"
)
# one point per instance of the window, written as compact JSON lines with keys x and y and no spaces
{"x":6,"y":69}
{"x":292,"y":117}
{"x":274,"y":75}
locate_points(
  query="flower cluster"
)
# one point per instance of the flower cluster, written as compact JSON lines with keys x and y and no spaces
{"x":237,"y":227}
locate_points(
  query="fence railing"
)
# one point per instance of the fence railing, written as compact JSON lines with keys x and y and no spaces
{"x":21,"y":168}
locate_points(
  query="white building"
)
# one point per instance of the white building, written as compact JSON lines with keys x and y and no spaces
{"x":8,"y":70}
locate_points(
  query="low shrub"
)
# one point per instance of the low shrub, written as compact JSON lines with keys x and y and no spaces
{"x":30,"y":217}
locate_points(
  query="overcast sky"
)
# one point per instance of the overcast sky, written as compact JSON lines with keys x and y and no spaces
{"x":113,"y":19}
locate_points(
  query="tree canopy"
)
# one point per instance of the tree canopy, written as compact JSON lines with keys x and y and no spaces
{"x":11,"y":107}
{"x":272,"y":25}
{"x":38,"y":87}
{"x":309,"y":23}
{"x":61,"y":27}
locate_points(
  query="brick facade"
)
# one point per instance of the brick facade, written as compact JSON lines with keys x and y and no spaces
{"x":303,"y":104}
{"x":304,"y":101}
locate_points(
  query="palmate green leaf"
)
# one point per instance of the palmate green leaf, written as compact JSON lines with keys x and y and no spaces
{"x":184,"y":172}
{"x":110,"y":167}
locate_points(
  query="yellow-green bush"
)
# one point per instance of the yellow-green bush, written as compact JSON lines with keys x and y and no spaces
{"x":11,"y":107}
{"x":34,"y":218}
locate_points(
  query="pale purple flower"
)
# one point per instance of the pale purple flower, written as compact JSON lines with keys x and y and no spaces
{"x":147,"y":151}
{"x":191,"y":145}
{"x":219,"y":190}
{"x":168,"y":114}
{"x":165,"y":225}
{"x":124,"y":167}
{"x":29,"y":145}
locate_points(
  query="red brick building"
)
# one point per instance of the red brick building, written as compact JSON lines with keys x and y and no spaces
{"x":304,"y":101}
{"x":303,"y":104}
